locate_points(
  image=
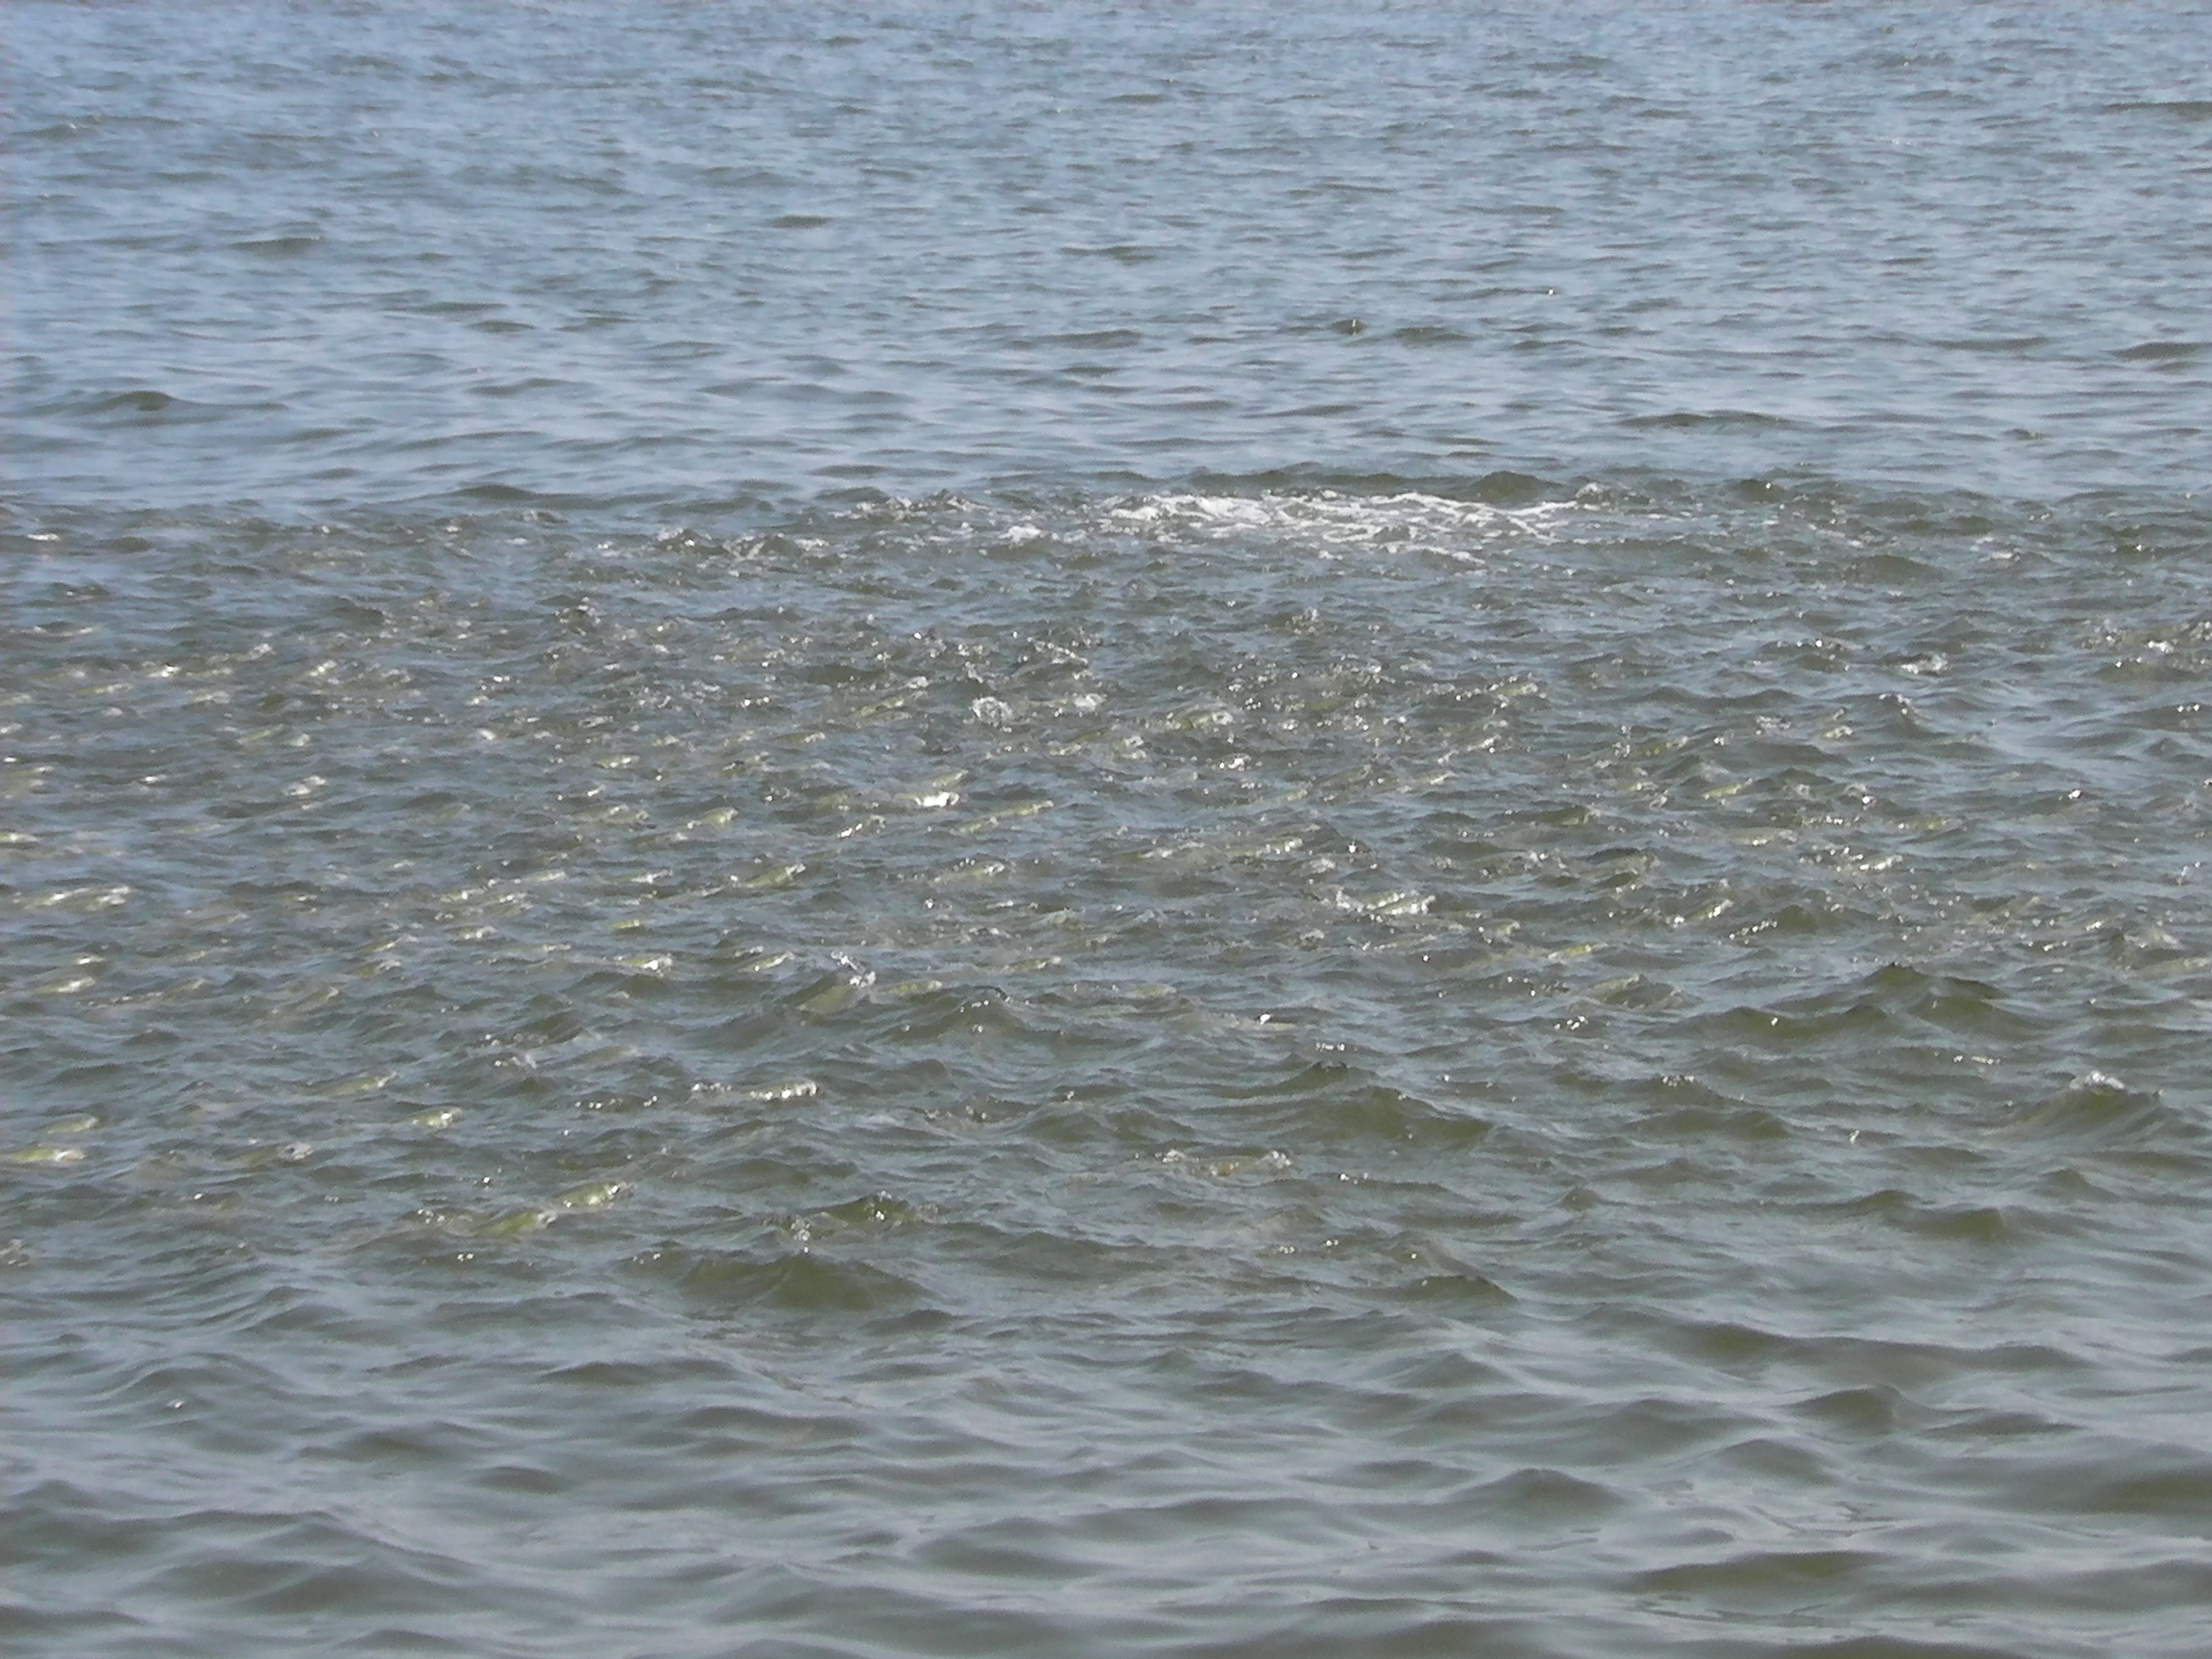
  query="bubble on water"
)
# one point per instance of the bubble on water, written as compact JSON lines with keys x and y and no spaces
{"x":804,"y":1088}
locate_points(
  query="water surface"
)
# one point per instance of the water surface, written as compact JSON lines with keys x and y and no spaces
{"x":880,"y":830}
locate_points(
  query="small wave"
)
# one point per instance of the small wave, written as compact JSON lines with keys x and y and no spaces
{"x":1686,"y":420}
{"x":1102,"y":339}
{"x":1127,"y":253}
{"x":279,"y":247}
{"x":1997,"y":345}
{"x":1428,"y":334}
{"x":1761,"y":1575}
{"x":143,"y":401}
{"x":2178,"y":109}
{"x":799,"y":1281}
{"x":2163,"y":351}
{"x":2096,"y":1106}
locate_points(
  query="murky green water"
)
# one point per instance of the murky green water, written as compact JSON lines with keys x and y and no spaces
{"x":1008,"y":1000}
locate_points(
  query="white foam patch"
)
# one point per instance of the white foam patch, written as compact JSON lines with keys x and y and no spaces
{"x":1411,"y":519}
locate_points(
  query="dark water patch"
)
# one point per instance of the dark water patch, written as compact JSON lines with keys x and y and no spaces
{"x":1998,"y":344}
{"x":2178,"y":109}
{"x":1694,"y":421}
{"x":1127,"y":253}
{"x":1428,"y":334}
{"x":2163,"y":351}
{"x":280,"y":247}
{"x":1095,"y":339}
{"x":799,"y":1282}
{"x":146,"y":401}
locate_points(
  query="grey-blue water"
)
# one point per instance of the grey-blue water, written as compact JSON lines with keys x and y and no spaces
{"x":870,"y":830}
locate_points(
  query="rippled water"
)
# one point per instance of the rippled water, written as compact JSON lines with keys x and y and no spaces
{"x":878,"y":831}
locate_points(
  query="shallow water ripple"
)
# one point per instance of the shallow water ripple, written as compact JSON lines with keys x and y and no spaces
{"x":1511,"y":1066}
{"x":390,"y":251}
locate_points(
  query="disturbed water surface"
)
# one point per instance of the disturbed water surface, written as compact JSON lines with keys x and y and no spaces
{"x":892,"y":830}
